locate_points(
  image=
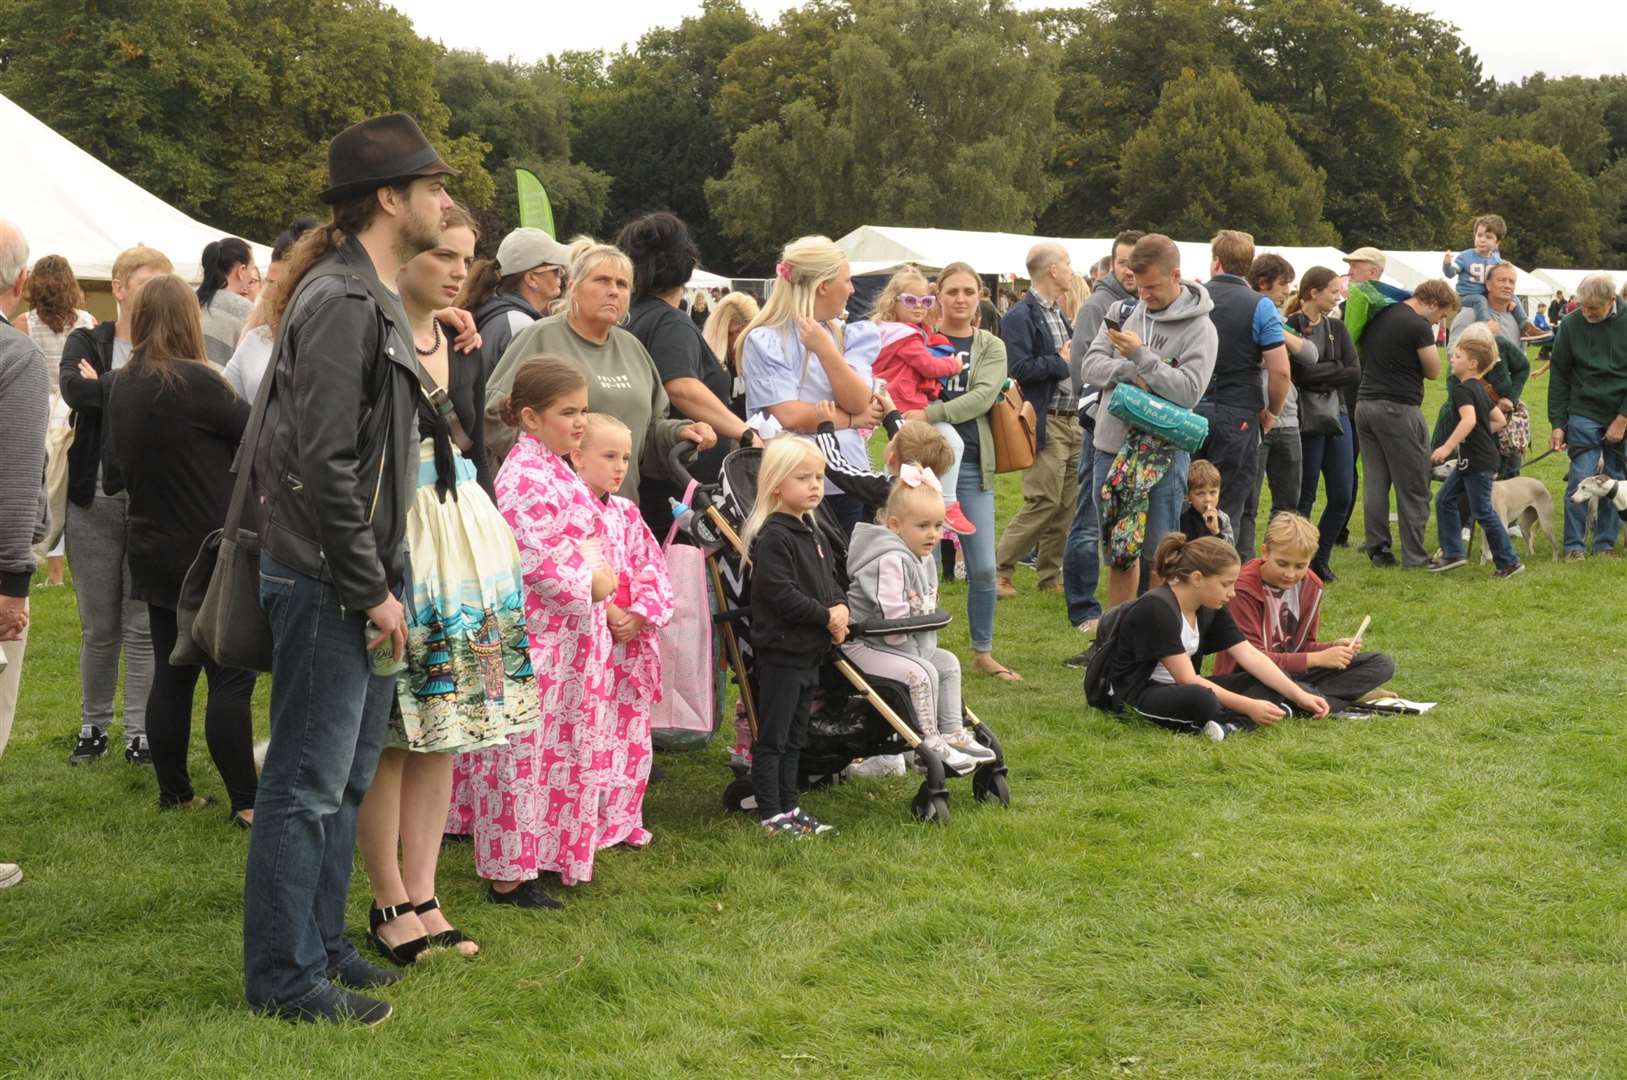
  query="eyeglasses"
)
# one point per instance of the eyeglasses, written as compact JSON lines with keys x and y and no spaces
{"x":912,"y":300}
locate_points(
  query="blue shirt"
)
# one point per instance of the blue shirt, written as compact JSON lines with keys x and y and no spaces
{"x":778,"y":369}
{"x":1471,"y":269}
{"x":1267,"y":325}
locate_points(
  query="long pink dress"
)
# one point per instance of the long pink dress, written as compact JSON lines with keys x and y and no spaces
{"x":635,"y":669}
{"x":533,"y":804}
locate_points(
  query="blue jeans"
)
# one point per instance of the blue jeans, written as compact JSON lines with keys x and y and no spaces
{"x":1333,"y":457}
{"x":1168,"y":498}
{"x":1584,"y":440}
{"x":977,"y":503}
{"x":1449,"y":524}
{"x":1081,"y":552}
{"x":329,"y":713}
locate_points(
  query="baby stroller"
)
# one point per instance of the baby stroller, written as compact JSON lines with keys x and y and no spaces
{"x":854,"y":716}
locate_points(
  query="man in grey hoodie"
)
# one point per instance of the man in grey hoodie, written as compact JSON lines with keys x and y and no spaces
{"x":1081,"y":562}
{"x":1167,"y":347}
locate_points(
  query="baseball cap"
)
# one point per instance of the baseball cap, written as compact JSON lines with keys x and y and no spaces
{"x":526,"y":249}
{"x":1368,"y":255}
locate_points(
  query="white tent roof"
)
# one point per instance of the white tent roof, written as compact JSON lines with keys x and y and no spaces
{"x":68,"y":203}
{"x":1568,"y":281}
{"x":1410,"y":268}
{"x":701,"y":279}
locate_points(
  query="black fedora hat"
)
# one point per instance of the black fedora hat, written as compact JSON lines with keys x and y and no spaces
{"x":366,"y":156}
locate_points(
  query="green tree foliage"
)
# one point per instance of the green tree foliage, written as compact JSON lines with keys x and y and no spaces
{"x":943,"y":117}
{"x":523,"y":113}
{"x":1546,"y":203}
{"x":1211,"y":157}
{"x":782,"y":64}
{"x":225,"y":107}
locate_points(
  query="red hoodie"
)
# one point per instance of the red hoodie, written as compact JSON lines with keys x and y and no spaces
{"x":1257,"y":612}
{"x":908,"y":364}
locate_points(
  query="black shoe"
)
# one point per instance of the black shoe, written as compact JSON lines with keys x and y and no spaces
{"x":1078,"y":661}
{"x":1381,"y":557}
{"x":137,"y":752}
{"x":402,"y":954}
{"x":446,"y":939}
{"x":357,"y":974}
{"x":89,"y":748}
{"x":1517,"y":568}
{"x":336,"y":1006}
{"x":1325,"y":572}
{"x":528,"y":895}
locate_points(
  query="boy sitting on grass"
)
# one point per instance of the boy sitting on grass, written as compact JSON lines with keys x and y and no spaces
{"x":1277,"y":607}
{"x":1203,"y":515}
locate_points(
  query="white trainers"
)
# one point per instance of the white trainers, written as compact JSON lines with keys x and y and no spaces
{"x":1214,"y":732}
{"x":962,"y":740}
{"x":953,"y":760}
{"x":10,"y":874}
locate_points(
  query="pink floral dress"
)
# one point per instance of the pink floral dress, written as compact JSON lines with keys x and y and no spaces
{"x":635,"y":669}
{"x":533,"y":803}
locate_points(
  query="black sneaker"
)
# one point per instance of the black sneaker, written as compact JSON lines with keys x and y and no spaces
{"x":781,"y":825}
{"x":1078,"y":661}
{"x":528,"y":895}
{"x":357,"y":974}
{"x":807,"y":823}
{"x":1517,"y":568}
{"x":1442,"y":563}
{"x":336,"y":1006}
{"x":1325,"y":572}
{"x":1381,"y":557}
{"x":137,"y":752}
{"x":89,"y":748}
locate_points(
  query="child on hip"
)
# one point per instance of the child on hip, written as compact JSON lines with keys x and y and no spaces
{"x":892,"y":575}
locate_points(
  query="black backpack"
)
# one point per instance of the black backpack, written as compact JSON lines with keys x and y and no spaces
{"x":1098,"y":693}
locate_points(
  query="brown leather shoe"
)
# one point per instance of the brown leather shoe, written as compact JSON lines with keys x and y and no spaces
{"x":1003,"y":588}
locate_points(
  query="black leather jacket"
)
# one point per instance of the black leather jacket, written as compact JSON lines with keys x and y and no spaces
{"x":336,"y":464}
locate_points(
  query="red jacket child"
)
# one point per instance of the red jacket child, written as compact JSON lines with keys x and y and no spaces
{"x":912,"y":360}
{"x":1257,"y":611}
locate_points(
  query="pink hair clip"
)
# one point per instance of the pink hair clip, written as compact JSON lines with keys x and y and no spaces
{"x":914,"y":475}
{"x":783,"y":270}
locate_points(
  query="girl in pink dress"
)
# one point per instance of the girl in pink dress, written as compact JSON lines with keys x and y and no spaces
{"x":534,"y":801}
{"x":642,"y":604}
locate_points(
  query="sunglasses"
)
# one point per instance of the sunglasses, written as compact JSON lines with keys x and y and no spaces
{"x":912,"y":300}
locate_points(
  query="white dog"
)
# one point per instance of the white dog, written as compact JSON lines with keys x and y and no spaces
{"x":1602,"y":487}
{"x":1524,"y":501}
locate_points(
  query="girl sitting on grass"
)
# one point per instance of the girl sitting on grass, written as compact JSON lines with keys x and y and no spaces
{"x":1164,"y":637}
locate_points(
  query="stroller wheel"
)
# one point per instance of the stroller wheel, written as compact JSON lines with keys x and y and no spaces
{"x":930,"y":806}
{"x":738,"y":797}
{"x":989,"y":782}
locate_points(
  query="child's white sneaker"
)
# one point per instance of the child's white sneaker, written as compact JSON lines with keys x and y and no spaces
{"x":953,"y":760}
{"x":962,"y":740}
{"x":1213,"y":732}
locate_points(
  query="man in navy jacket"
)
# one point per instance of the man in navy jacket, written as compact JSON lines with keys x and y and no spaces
{"x":1038,"y":341}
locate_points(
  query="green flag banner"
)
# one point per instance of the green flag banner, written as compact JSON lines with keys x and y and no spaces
{"x":535,"y":210}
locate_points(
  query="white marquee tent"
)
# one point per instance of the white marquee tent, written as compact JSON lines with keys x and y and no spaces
{"x":1409,"y":268}
{"x":69,"y":203}
{"x":1567,"y":281}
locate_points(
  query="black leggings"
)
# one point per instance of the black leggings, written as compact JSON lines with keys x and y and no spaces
{"x":785,"y":696}
{"x":228,"y":724}
{"x":1188,"y":707}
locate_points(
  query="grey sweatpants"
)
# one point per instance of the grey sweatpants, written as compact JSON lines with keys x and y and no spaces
{"x":933,"y":679}
{"x":108,"y":619}
{"x":1395,"y":450}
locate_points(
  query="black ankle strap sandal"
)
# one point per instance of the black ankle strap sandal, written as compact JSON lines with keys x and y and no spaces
{"x":405,"y":953}
{"x":446,"y":938}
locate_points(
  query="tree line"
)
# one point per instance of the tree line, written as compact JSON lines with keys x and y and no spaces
{"x":1346,"y":122}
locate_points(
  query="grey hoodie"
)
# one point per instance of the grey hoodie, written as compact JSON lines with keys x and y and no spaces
{"x":1109,"y":292}
{"x":886,"y":580}
{"x":1175,"y":360}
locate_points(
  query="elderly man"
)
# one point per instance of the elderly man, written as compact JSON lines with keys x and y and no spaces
{"x":1038,"y":345}
{"x":1365,"y":264}
{"x":24,"y":406}
{"x":1115,"y":292}
{"x":1587,"y":404}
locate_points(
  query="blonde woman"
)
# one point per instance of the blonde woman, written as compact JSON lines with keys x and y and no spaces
{"x":725,"y":328}
{"x":798,"y":353}
{"x":622,"y":379}
{"x":1075,"y":297}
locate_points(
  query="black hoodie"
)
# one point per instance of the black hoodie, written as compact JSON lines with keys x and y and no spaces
{"x":793,"y":588}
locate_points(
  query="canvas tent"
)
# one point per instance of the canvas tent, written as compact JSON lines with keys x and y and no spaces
{"x":68,"y":203}
{"x":1568,"y":281}
{"x":1409,"y":268}
{"x":701,"y":279}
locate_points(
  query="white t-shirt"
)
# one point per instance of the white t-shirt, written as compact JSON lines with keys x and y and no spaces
{"x":778,"y":369}
{"x":1189,"y":643}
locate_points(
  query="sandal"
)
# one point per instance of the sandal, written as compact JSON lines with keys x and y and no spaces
{"x":447,"y":939}
{"x":999,"y":671}
{"x":405,"y":953}
{"x":239,"y":821}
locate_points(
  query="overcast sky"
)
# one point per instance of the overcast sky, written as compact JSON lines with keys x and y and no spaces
{"x":1513,"y":39}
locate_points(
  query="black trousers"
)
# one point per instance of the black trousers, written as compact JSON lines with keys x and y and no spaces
{"x":784,"y":697}
{"x":228,"y":724}
{"x":1187,"y":708}
{"x":1233,"y":447}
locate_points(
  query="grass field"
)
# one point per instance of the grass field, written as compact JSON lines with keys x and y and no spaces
{"x":1432,"y":896}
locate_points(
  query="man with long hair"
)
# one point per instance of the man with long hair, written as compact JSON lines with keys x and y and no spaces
{"x":334,"y":466}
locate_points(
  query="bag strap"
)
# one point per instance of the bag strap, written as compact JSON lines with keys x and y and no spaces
{"x":672,"y":533}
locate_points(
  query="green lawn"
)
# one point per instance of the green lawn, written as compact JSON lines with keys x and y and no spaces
{"x":1431,"y":896}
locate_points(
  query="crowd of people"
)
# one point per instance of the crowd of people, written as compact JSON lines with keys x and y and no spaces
{"x":455,"y":468}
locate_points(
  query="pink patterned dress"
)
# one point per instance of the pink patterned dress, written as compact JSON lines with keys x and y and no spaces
{"x":635,"y":669}
{"x":533,"y":802}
